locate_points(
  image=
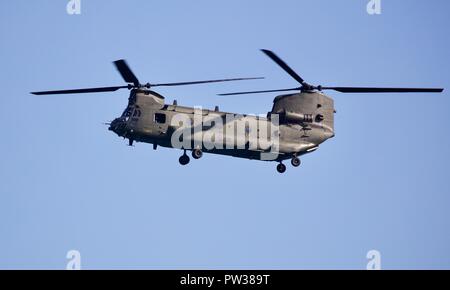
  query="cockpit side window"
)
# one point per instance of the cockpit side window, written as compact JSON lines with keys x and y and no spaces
{"x":160,"y":118}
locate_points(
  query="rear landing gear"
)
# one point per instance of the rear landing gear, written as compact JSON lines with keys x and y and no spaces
{"x":184,"y":159}
{"x":295,"y":161}
{"x":281,"y":168}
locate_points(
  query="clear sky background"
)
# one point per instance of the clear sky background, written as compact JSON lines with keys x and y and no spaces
{"x":66,"y":182}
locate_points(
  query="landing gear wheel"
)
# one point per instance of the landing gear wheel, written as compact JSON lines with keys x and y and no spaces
{"x":281,"y":168}
{"x":295,"y":161}
{"x":184,"y":159}
{"x":197,"y":153}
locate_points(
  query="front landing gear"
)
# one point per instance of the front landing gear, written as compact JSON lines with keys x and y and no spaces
{"x":197,"y":153}
{"x":184,"y":159}
{"x":281,"y":168}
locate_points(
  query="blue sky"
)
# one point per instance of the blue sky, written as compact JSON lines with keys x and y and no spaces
{"x":68,"y":183}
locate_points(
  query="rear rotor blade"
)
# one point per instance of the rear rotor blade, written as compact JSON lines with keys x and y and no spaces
{"x":203,"y":82}
{"x":383,"y":90}
{"x":259,"y":92}
{"x":126,"y":72}
{"x":80,"y":91}
{"x":283,"y":65}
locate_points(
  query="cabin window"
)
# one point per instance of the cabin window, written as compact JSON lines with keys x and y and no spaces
{"x":160,"y":118}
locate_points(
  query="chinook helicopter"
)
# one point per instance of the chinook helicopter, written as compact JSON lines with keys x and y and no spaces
{"x":299,"y":121}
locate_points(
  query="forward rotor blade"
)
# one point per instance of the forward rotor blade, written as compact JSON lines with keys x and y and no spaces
{"x":203,"y":82}
{"x":383,"y":90}
{"x":80,"y":91}
{"x":126,"y":72}
{"x":283,"y":65}
{"x":259,"y":92}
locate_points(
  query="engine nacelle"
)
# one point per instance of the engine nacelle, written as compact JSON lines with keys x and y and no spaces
{"x":298,"y":118}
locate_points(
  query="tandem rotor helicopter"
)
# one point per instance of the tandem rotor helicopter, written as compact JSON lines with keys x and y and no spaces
{"x":305,"y":117}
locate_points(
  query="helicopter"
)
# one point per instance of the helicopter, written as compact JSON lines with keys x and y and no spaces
{"x":298,"y":123}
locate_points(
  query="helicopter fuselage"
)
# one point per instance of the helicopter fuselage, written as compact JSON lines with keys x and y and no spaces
{"x":298,"y":123}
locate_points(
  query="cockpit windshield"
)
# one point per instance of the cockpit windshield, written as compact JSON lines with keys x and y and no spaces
{"x":131,"y":111}
{"x":127,"y":113}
